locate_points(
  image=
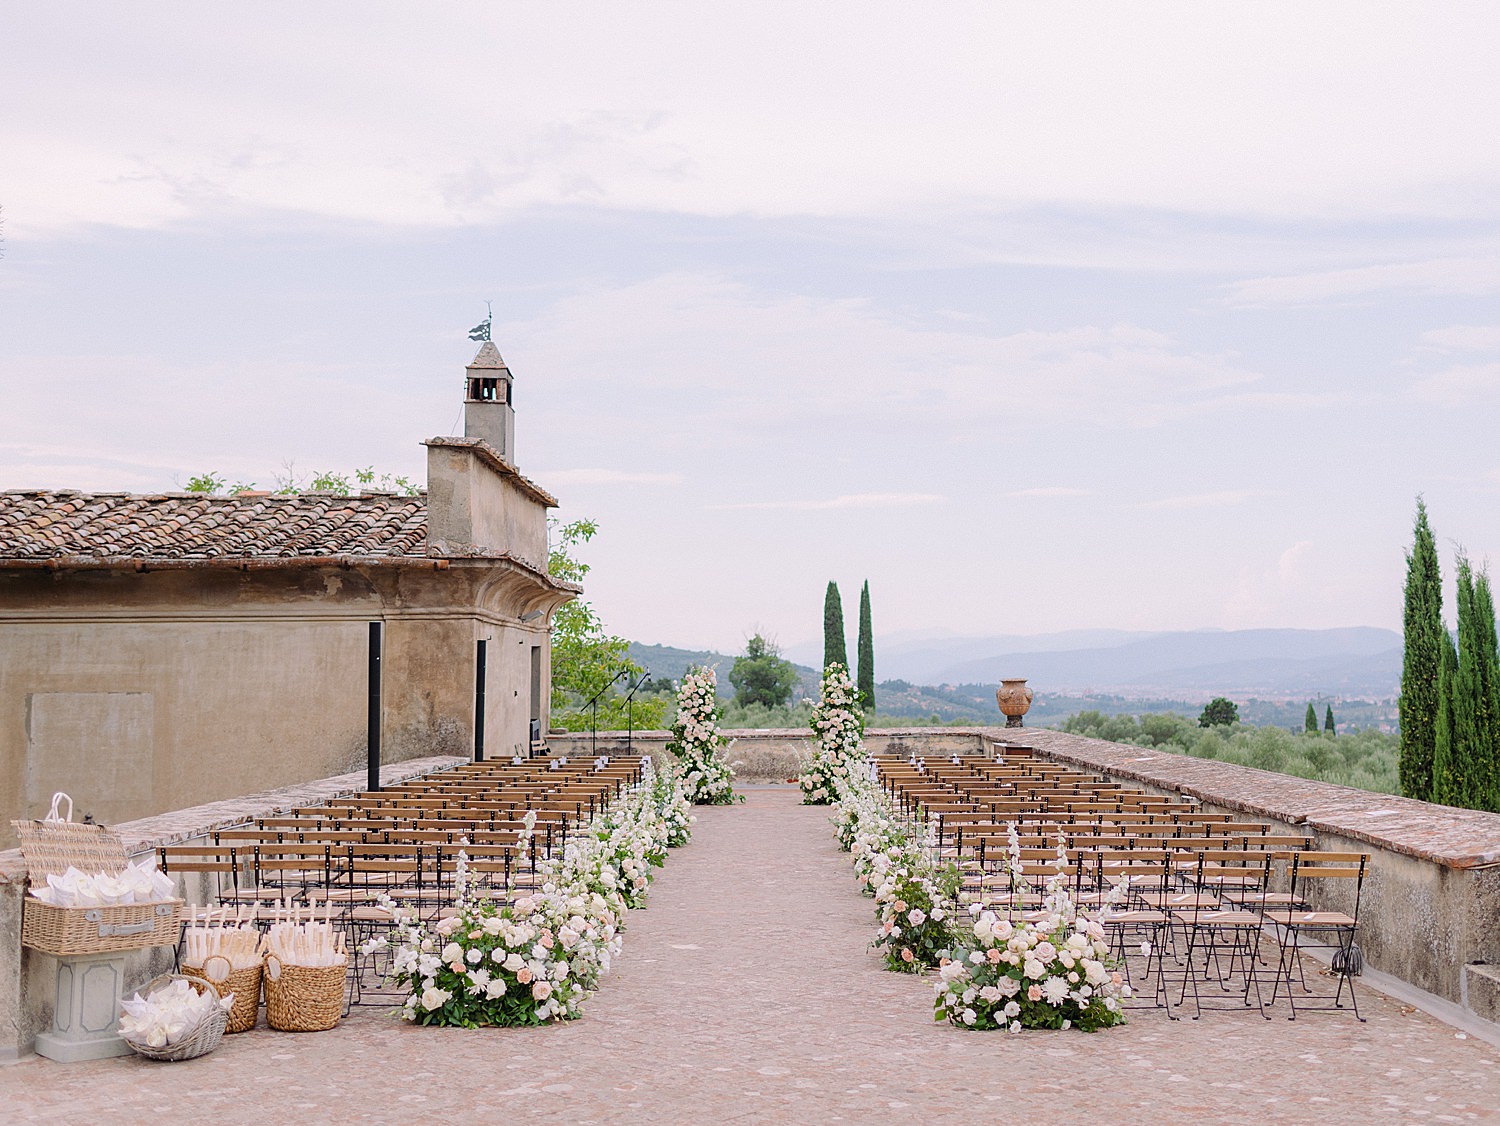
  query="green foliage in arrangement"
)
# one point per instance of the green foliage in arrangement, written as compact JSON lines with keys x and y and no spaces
{"x":865,"y":678}
{"x":1329,"y":727}
{"x":762,"y":675}
{"x":1365,"y":760}
{"x":1219,"y":712}
{"x":1424,"y":634}
{"x":585,"y":659}
{"x":835,"y":651}
{"x":1310,"y":724}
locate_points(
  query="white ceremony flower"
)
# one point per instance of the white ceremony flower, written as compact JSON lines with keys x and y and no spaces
{"x":952,"y":970}
{"x":496,"y":988}
{"x":977,"y":957}
{"x":474,"y":957}
{"x":989,"y":994}
{"x":1012,"y":1009}
{"x":434,"y":998}
{"x":514,"y":961}
{"x":1008,"y":987}
{"x":452,"y":952}
{"x":969,"y":1016}
{"x":1015,"y":1026}
{"x":1055,"y":989}
{"x":1035,"y":969}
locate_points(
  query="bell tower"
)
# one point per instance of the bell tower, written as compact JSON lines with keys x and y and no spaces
{"x":488,"y":413}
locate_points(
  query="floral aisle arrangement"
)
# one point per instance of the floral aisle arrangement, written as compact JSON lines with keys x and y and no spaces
{"x":673,"y":806}
{"x":913,"y":894}
{"x":539,"y":958}
{"x":699,"y":744}
{"x":1053,"y":971}
{"x":838,"y":724}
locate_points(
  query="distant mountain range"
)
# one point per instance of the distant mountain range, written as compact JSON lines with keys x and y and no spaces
{"x":1357,"y":661}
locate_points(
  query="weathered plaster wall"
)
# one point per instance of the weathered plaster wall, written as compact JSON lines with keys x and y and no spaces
{"x":140,"y":693}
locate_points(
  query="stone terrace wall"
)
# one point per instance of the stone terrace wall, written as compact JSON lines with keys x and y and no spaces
{"x":27,"y":978}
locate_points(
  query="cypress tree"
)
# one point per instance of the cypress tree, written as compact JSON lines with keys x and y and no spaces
{"x":834,"y":649}
{"x":1310,"y":721}
{"x":1487,"y":668}
{"x":1442,"y":788}
{"x":866,"y":655}
{"x":1424,"y":633}
{"x":1328,"y":724}
{"x":1470,"y":752}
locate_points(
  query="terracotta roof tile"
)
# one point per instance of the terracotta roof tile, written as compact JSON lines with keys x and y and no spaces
{"x":65,"y":524}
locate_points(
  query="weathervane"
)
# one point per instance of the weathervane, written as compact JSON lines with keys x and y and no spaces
{"x":481,"y":331}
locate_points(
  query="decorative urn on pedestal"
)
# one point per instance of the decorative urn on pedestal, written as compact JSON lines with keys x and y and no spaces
{"x":1014,"y":699}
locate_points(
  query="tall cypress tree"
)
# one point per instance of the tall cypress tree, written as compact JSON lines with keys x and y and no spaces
{"x":1310,"y":720}
{"x":1487,"y":706}
{"x":1424,"y":632}
{"x":866,"y":680}
{"x":1328,"y":725}
{"x":1470,"y":753}
{"x":1442,"y":786}
{"x":834,"y":648}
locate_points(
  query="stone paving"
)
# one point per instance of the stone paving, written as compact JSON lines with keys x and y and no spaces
{"x":746,"y":994}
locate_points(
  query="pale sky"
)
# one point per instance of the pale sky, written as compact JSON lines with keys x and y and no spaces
{"x":1146,"y":316}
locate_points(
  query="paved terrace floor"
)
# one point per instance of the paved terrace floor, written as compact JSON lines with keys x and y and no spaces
{"x":746,"y":994}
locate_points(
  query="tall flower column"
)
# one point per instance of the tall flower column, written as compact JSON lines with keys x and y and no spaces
{"x":697,"y":741}
{"x":838,"y":723}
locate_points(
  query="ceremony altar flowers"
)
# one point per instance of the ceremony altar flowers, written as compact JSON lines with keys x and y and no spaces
{"x":698,"y":743}
{"x":838,"y":724}
{"x":1051,"y":969}
{"x":673,"y":806}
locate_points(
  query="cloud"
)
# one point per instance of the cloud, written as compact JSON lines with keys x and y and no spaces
{"x":1203,"y":109}
{"x":1220,"y":499}
{"x":1464,"y":338}
{"x":1049,"y":491}
{"x":1462,"y":276}
{"x":607,"y":477}
{"x":803,"y":362}
{"x":855,"y":500}
{"x":1458,"y":386}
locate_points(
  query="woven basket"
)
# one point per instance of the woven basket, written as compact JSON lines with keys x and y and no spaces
{"x":244,"y":984}
{"x":50,"y":847}
{"x":303,"y":998}
{"x":200,"y":1041}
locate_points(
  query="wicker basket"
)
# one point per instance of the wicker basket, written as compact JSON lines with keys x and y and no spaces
{"x":303,"y":998}
{"x":244,"y":984}
{"x":50,"y":847}
{"x":200,"y":1041}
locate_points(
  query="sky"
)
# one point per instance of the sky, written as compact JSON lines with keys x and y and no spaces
{"x":1147,"y":316}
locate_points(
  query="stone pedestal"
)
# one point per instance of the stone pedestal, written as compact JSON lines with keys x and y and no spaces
{"x":85,"y":1022}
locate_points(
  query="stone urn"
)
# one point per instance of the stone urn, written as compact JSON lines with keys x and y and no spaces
{"x":1014,"y":699}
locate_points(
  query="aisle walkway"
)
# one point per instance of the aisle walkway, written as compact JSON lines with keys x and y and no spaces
{"x":746,"y":994}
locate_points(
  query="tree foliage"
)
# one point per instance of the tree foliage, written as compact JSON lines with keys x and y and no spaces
{"x":1329,"y":727}
{"x":762,"y":676}
{"x":1220,"y":712}
{"x":835,"y":650}
{"x":1469,"y":768}
{"x":865,"y":680}
{"x":290,"y":483}
{"x":1423,"y":635}
{"x":1310,"y":722}
{"x":588,"y":661}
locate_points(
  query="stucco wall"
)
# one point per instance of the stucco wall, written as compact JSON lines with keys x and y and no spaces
{"x":141,"y":693}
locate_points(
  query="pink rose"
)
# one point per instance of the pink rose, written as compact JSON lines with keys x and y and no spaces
{"x":1034,"y":993}
{"x":541,"y":990}
{"x":993,"y":954}
{"x":523,"y":975}
{"x":906,"y":954}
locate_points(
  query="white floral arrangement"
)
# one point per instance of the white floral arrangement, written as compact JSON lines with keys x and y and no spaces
{"x":1050,"y":971}
{"x":838,"y":724}
{"x":673,"y":805}
{"x":913,"y":895}
{"x":536,"y":960}
{"x":698,"y":742}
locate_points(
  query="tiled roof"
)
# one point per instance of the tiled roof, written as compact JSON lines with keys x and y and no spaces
{"x":40,"y":526}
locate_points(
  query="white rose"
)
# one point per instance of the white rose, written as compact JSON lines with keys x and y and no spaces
{"x":453,"y":952}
